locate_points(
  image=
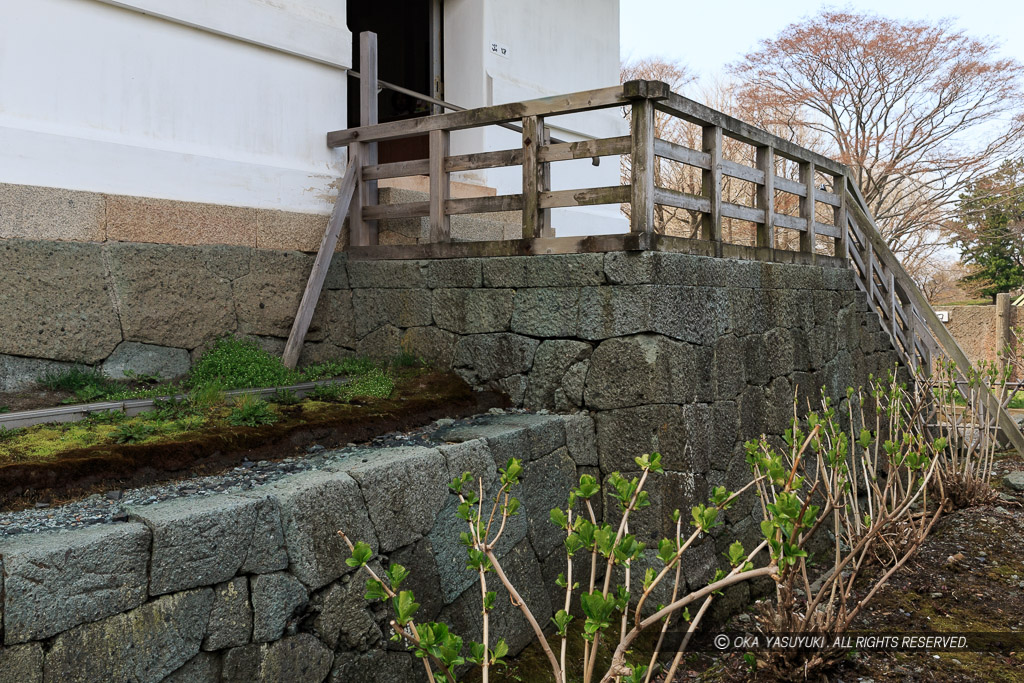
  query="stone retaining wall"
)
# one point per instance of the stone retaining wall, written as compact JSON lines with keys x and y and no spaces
{"x":254,"y":587}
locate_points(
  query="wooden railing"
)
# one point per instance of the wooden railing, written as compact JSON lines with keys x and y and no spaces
{"x":830,"y":223}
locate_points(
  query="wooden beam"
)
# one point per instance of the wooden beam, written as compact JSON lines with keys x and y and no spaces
{"x":532,"y":139}
{"x":585,"y":149}
{"x":791,"y":186}
{"x":297,"y":336}
{"x":711,"y":185}
{"x":765,"y":196}
{"x":482,"y":160}
{"x":743,"y":213}
{"x":501,"y":202}
{"x":682,"y":155}
{"x":681,"y":200}
{"x":743,"y":172}
{"x":440,"y":187}
{"x":484,"y":116}
{"x":704,"y":116}
{"x":396,"y":169}
{"x":614,"y":194}
{"x":642,"y":165}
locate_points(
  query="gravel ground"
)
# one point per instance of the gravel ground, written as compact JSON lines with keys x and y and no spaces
{"x":111,"y":506}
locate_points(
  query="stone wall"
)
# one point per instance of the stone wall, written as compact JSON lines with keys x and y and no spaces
{"x":977,"y":329}
{"x":254,"y":587}
{"x":685,"y":355}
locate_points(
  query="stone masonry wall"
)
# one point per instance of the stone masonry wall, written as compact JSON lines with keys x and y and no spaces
{"x":684,"y":355}
{"x":253,"y":587}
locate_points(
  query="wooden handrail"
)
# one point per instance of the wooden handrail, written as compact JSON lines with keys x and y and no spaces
{"x":912,"y":324}
{"x":913,"y":300}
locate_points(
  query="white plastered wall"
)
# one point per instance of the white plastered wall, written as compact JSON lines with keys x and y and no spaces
{"x":226,"y":102}
{"x":544,"y":48}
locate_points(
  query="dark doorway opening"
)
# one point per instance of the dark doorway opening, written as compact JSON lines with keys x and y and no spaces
{"x":409,"y":35}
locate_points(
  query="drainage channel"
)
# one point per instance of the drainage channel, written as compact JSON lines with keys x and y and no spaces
{"x":132,"y":407}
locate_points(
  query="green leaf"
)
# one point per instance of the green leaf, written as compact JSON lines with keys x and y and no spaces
{"x":559,"y":518}
{"x":361,"y":554}
{"x":588,"y":487}
{"x":404,"y":606}
{"x":375,"y":590}
{"x":396,"y":575}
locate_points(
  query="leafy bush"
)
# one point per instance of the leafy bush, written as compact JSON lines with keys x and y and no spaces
{"x":250,"y":411}
{"x":87,"y":384}
{"x":234,"y":363}
{"x":834,"y":475}
{"x":133,"y":432}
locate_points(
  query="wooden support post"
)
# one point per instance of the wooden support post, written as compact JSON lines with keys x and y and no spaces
{"x":297,"y":336}
{"x":766,"y":197}
{"x":809,"y":238}
{"x":363,"y":232}
{"x":440,"y":187}
{"x":869,"y":273}
{"x":891,"y":284}
{"x":841,"y":221}
{"x":532,"y":137}
{"x":544,"y":185}
{"x":1004,"y":329}
{"x":711,"y":187}
{"x":642,"y":163}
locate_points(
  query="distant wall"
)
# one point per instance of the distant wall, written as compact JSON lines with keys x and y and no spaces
{"x":978,"y":331}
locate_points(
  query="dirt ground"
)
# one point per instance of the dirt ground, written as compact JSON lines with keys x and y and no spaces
{"x":968,"y":576}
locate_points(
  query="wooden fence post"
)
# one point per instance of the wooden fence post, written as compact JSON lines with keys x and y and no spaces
{"x":842,"y":244}
{"x":440,"y":188}
{"x":364,"y":233}
{"x":544,"y":185}
{"x":766,"y":197}
{"x":808,"y":238}
{"x":711,"y":187}
{"x":532,"y":218}
{"x":642,"y":163}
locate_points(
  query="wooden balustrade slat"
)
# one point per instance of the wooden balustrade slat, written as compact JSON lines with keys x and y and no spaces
{"x":784,"y":220}
{"x":790,"y":186}
{"x":743,"y":213}
{"x":681,"y":200}
{"x":501,"y":202}
{"x":681,"y":154}
{"x":826,"y":197}
{"x":482,"y":160}
{"x":587,"y":149}
{"x":396,"y":169}
{"x":613,"y":194}
{"x":404,"y":210}
{"x":743,"y":172}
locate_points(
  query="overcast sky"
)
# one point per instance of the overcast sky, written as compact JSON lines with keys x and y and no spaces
{"x":708,"y":35}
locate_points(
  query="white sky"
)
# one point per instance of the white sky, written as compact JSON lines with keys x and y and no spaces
{"x":708,"y":35}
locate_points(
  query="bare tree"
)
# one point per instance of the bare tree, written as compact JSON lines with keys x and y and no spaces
{"x":917,"y":110}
